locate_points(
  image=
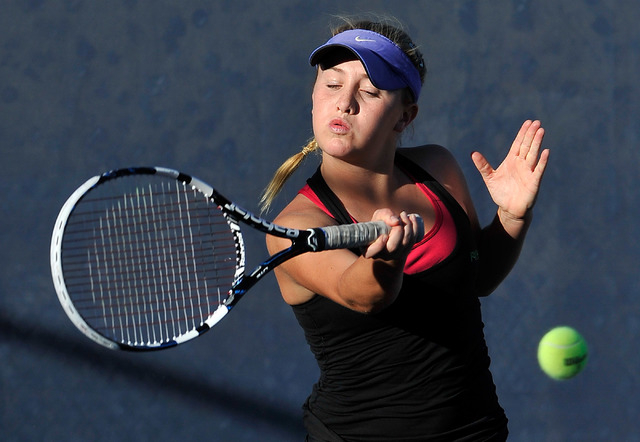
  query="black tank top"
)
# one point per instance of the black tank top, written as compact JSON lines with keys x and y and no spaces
{"x":418,"y":370}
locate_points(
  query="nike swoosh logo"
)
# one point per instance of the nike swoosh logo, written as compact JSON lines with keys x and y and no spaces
{"x":358,"y":38}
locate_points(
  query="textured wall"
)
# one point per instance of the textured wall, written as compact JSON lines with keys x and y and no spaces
{"x":220,"y":89}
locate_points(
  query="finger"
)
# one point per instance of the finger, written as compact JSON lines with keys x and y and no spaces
{"x":418,"y":226}
{"x":517,"y":142}
{"x":395,"y":239}
{"x":413,"y":229}
{"x":482,"y":164}
{"x":527,"y":140}
{"x":409,"y":229}
{"x":542,"y":164}
{"x":377,"y":246}
{"x":387,"y":216}
{"x":532,"y":155}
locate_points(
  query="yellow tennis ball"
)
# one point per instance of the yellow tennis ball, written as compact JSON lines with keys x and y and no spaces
{"x":562,"y":353}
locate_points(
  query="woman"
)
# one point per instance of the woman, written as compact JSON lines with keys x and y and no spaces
{"x":396,"y":328}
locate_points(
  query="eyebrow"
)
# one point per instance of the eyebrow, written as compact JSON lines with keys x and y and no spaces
{"x":335,"y":68}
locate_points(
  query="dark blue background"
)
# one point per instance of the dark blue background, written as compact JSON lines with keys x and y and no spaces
{"x":221,"y":90}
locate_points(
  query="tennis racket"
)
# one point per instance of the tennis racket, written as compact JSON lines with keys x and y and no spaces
{"x":147,"y":258}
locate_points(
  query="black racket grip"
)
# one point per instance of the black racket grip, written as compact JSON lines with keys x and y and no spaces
{"x":348,"y":236}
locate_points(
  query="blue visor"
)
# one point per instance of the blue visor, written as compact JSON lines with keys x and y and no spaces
{"x":388,"y":67}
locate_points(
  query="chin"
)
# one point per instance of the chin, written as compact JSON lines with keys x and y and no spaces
{"x":336,"y":147}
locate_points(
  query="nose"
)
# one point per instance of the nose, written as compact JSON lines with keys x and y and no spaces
{"x":347,"y":102}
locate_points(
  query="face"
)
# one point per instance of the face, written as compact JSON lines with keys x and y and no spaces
{"x":351,"y":117}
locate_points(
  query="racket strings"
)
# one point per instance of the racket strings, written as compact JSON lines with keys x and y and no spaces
{"x":149,"y":263}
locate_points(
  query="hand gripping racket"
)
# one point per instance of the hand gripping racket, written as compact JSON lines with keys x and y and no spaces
{"x":148,"y":258}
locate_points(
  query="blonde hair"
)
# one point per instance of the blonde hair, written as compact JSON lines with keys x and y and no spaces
{"x":392,"y":31}
{"x":283,"y":173}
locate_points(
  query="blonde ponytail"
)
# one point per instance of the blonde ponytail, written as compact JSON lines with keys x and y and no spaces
{"x":283,"y":173}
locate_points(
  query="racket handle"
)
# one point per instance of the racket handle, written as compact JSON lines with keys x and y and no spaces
{"x":353,"y":235}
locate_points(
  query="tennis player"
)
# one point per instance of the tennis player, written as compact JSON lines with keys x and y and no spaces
{"x":396,"y":328}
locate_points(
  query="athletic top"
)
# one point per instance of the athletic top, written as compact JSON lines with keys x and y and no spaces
{"x":419,"y":369}
{"x":437,"y":243}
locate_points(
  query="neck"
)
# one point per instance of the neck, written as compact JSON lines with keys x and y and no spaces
{"x":364,"y":185}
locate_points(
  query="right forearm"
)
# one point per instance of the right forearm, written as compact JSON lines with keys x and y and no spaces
{"x":370,"y":285}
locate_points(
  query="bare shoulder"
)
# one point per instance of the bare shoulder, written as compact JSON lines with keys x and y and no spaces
{"x":443,"y":166}
{"x":300,"y":213}
{"x":302,"y":277}
{"x":438,"y":161}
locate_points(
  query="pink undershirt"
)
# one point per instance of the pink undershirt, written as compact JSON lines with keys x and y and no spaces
{"x":438,"y":242}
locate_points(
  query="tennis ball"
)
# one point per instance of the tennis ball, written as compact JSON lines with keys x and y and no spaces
{"x":562,"y":353}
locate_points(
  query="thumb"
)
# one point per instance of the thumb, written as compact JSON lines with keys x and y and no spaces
{"x":481,"y":164}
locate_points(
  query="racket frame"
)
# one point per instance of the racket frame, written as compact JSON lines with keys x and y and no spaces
{"x":302,"y":241}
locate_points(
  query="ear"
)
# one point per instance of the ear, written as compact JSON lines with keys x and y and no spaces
{"x":409,"y":114}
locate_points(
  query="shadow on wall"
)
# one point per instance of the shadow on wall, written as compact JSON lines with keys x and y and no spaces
{"x":195,"y":390}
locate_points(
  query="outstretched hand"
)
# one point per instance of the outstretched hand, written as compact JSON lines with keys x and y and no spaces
{"x":514,"y":185}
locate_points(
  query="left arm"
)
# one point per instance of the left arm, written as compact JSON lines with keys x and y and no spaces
{"x":514,"y":187}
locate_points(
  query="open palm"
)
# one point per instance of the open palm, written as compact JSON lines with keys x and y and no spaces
{"x":514,"y":185}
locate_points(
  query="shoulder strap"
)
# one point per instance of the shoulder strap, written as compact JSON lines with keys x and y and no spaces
{"x":330,"y":201}
{"x":340,"y":213}
{"x":421,"y":175}
{"x":416,"y":172}
{"x":328,"y":198}
{"x":333,"y":203}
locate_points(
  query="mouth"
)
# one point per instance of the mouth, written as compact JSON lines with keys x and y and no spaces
{"x":339,"y":126}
